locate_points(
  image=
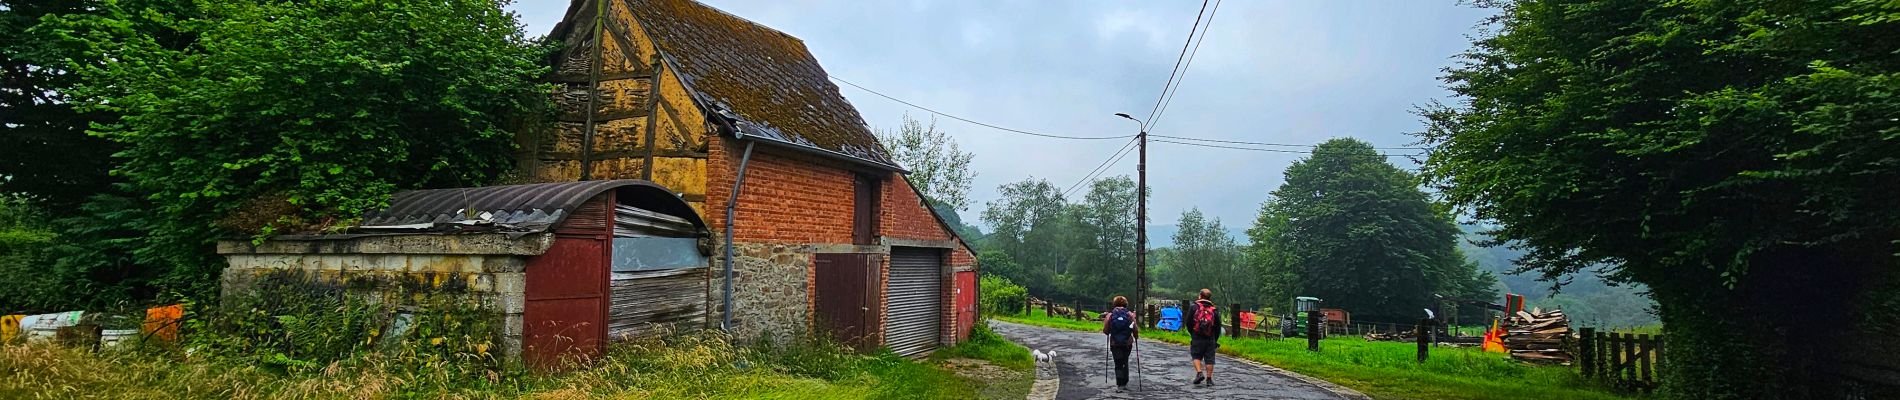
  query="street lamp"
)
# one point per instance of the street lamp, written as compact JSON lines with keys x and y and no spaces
{"x":1141,"y":214}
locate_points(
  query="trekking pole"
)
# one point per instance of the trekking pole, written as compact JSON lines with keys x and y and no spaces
{"x":1138,"y":385}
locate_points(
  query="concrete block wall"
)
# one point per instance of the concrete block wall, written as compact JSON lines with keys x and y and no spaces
{"x":489,"y":270}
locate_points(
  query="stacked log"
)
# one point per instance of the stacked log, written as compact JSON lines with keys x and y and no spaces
{"x":1538,"y":337}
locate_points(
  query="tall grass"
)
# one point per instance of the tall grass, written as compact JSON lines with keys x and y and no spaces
{"x":1390,"y":370}
{"x":293,"y":337}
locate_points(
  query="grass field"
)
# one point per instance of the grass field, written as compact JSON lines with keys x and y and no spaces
{"x":1389,"y":370}
{"x":686,"y":367}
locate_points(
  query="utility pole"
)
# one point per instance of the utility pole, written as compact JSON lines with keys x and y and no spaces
{"x":1141,"y":213}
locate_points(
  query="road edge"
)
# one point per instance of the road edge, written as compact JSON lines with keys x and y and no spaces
{"x":1341,"y":391}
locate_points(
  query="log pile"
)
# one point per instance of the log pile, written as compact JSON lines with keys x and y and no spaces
{"x":1538,"y":337}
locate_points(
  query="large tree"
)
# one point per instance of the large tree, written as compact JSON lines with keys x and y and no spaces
{"x":939,"y":168}
{"x":294,"y":115}
{"x":1026,"y":223}
{"x":1352,"y":229}
{"x":1103,"y":241}
{"x":1741,"y":158}
{"x":1205,"y":257}
{"x":45,"y":152}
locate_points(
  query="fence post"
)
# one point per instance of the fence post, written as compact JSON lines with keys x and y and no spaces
{"x":1154,"y":317}
{"x":1234,"y":320}
{"x":1585,"y":353}
{"x":1644,"y":361}
{"x":1312,"y":331}
{"x":1423,"y":342}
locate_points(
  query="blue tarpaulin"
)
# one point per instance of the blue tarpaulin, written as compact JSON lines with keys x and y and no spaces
{"x":1170,"y":319}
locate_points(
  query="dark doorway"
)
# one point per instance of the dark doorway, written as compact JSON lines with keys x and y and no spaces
{"x":847,"y":304}
{"x":864,"y":210}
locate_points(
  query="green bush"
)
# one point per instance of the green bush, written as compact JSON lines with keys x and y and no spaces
{"x":1000,"y":296}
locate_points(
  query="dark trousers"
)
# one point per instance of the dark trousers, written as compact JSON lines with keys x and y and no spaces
{"x":1121,"y":363}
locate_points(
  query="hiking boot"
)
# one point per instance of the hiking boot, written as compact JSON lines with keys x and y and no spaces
{"x":1210,"y":381}
{"x":1198,"y":378}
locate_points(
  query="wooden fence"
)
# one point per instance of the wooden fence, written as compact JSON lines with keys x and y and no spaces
{"x":1626,"y":360}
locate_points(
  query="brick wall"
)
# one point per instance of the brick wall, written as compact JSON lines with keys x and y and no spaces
{"x":787,"y":198}
{"x":905,"y":215}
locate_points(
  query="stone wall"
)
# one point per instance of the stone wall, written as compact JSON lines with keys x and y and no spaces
{"x":772,"y":291}
{"x":487,"y":269}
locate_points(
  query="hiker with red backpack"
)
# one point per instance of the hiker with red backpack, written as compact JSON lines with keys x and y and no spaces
{"x":1204,"y":336}
{"x":1122,"y":331}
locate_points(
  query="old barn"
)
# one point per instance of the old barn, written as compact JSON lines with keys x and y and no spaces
{"x":702,"y":171}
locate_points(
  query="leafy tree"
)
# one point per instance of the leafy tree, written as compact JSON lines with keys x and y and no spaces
{"x":1741,"y":158}
{"x":1350,"y":228}
{"x":45,"y":152}
{"x":1104,"y":241}
{"x":295,"y":115}
{"x":939,"y":168}
{"x":1027,"y":223}
{"x":1205,"y":256}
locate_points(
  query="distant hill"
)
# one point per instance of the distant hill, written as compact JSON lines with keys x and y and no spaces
{"x":1587,"y":298}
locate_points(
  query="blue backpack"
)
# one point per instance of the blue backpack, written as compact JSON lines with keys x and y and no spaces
{"x":1121,"y":327}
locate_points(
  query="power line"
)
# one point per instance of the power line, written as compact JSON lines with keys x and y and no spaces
{"x":992,"y":126}
{"x":947,"y":115}
{"x":1155,"y":119}
{"x":1165,"y":87}
{"x":1273,"y":144}
{"x":1105,"y":163}
{"x":1274,"y":150}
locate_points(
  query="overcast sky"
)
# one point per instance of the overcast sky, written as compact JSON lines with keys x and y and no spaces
{"x":1269,"y":71}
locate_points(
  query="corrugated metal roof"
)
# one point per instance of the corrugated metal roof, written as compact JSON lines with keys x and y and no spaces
{"x":523,"y":207}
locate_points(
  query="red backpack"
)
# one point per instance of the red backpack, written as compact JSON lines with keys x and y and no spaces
{"x":1204,"y":324}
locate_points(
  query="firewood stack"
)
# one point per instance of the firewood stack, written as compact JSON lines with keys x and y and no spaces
{"x":1538,"y":337}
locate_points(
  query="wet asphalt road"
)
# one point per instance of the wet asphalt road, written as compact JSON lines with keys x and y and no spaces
{"x":1082,"y":362}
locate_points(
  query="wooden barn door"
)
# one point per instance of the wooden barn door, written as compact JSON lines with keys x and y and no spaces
{"x":847,"y":305}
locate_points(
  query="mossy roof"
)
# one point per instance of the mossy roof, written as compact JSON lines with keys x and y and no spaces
{"x":764,"y":81}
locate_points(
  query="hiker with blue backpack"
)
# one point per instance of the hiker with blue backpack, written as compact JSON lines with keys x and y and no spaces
{"x":1122,"y":331}
{"x":1203,"y":336}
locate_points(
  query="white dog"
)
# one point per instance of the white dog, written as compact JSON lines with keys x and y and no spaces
{"x":1043,"y":357}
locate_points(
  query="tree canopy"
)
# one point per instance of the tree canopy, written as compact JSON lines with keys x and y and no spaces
{"x":1350,"y":228}
{"x":939,"y":168}
{"x":1733,"y":156}
{"x":1066,"y":251}
{"x":239,"y":118}
{"x":1204,"y":256}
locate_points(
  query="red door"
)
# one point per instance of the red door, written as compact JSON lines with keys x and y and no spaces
{"x":565,"y":314}
{"x":966,"y":304}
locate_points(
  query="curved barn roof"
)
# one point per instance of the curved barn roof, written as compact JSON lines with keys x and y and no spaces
{"x":531,"y":206}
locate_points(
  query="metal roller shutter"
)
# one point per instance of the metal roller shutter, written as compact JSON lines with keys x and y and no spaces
{"x":916,"y":309}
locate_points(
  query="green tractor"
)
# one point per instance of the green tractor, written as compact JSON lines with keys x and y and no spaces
{"x":1295,"y":325}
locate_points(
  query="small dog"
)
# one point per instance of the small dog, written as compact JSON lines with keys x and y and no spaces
{"x":1043,"y":357}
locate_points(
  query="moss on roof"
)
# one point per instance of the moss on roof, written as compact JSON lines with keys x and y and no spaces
{"x":762,"y":79}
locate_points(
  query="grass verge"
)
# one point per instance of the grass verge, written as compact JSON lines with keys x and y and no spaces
{"x":1006,"y":371}
{"x":680,"y":367}
{"x":1389,"y":370}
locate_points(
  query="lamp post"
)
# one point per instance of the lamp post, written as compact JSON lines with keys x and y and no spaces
{"x":1141,"y":212}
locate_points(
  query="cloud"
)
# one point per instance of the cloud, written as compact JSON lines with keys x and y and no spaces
{"x":1286,"y":72}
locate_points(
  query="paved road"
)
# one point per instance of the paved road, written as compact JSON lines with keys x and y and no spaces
{"x":1086,"y":372}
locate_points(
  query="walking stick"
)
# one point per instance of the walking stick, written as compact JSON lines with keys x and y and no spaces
{"x":1137,"y":366}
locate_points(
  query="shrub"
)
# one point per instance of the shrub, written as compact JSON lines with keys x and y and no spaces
{"x":1000,"y":296}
